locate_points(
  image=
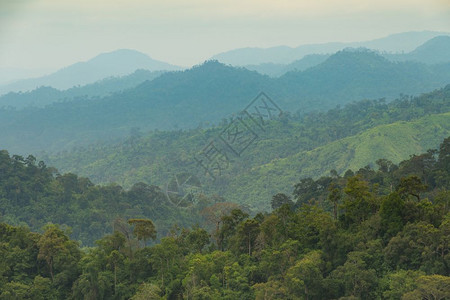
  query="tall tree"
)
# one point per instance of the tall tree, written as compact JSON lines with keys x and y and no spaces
{"x":144,"y":229}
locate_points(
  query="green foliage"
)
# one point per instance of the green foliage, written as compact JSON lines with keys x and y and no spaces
{"x":430,"y":287}
{"x":208,"y":93}
{"x":33,"y":194}
{"x":392,"y":214}
{"x":386,"y":244}
{"x":144,"y":229}
{"x":147,"y":291}
{"x":57,"y":251}
{"x":359,"y":202}
{"x":292,"y":147}
{"x":45,"y":95}
{"x":305,"y":279}
{"x":399,"y":283}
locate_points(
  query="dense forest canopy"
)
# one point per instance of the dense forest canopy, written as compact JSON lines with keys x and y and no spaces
{"x":320,"y":198}
{"x":207,"y":93}
{"x":291,"y":147}
{"x":369,"y":234}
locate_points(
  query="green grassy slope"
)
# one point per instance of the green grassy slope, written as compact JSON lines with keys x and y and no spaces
{"x":290,"y":148}
{"x":274,"y":164}
{"x":395,"y":142}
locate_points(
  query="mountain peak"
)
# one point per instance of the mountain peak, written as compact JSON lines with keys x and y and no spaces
{"x":354,"y":56}
{"x":441,"y":42}
{"x":120,"y":54}
{"x":109,"y":64}
{"x":435,"y":50}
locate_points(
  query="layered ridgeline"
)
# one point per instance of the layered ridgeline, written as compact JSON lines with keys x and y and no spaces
{"x":46,"y":95}
{"x":116,"y":63}
{"x":393,"y":44}
{"x":210,"y":92}
{"x":33,"y":194}
{"x":371,"y":235}
{"x":290,"y":148}
{"x":434,"y":51}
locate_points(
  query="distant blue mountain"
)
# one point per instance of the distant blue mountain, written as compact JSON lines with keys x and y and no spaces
{"x":211,"y":92}
{"x":395,"y":43}
{"x":434,"y":51}
{"x":276,"y":70}
{"x":46,"y":95}
{"x":116,"y":63}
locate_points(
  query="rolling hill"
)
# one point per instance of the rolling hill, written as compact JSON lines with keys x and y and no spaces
{"x":276,"y":70}
{"x":395,"y":142}
{"x":116,"y":63}
{"x":209,"y":93}
{"x":396,"y":43}
{"x":291,"y":148}
{"x":46,"y":95}
{"x":433,"y":51}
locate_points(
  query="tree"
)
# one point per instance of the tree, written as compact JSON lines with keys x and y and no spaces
{"x":359,"y":202}
{"x":144,"y":229}
{"x":272,"y":289}
{"x":444,"y":163}
{"x":229,"y":225}
{"x":433,"y":287}
{"x":94,"y":282}
{"x":124,"y":228}
{"x":385,"y":165}
{"x":305,"y":189}
{"x":53,"y":246}
{"x":391,"y":213}
{"x":213,"y":216}
{"x":166,"y":258}
{"x":279,"y":200}
{"x":197,"y":239}
{"x":148,"y":291}
{"x":305,"y":278}
{"x":416,"y":246}
{"x":355,"y":278}
{"x":247,"y":232}
{"x":399,"y":283}
{"x":411,"y":185}
{"x":334,"y":197}
{"x":42,"y":289}
{"x":115,"y":257}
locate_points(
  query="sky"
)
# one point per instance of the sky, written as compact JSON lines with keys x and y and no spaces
{"x":50,"y":34}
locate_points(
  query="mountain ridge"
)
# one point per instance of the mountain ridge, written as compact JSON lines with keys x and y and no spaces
{"x":211,"y":92}
{"x":406,"y":41}
{"x":433,"y":51}
{"x":116,"y":63}
{"x":310,"y":145}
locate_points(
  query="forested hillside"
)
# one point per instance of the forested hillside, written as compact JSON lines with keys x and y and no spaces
{"x":276,"y":70}
{"x":46,"y":95}
{"x":210,"y":92}
{"x":33,"y":194}
{"x":174,"y":186}
{"x":116,"y":63}
{"x":287,"y":150}
{"x":433,"y":51}
{"x":367,"y":235}
{"x":290,"y":148}
{"x":395,"y":43}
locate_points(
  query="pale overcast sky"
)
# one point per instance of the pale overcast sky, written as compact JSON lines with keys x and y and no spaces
{"x":55,"y":33}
